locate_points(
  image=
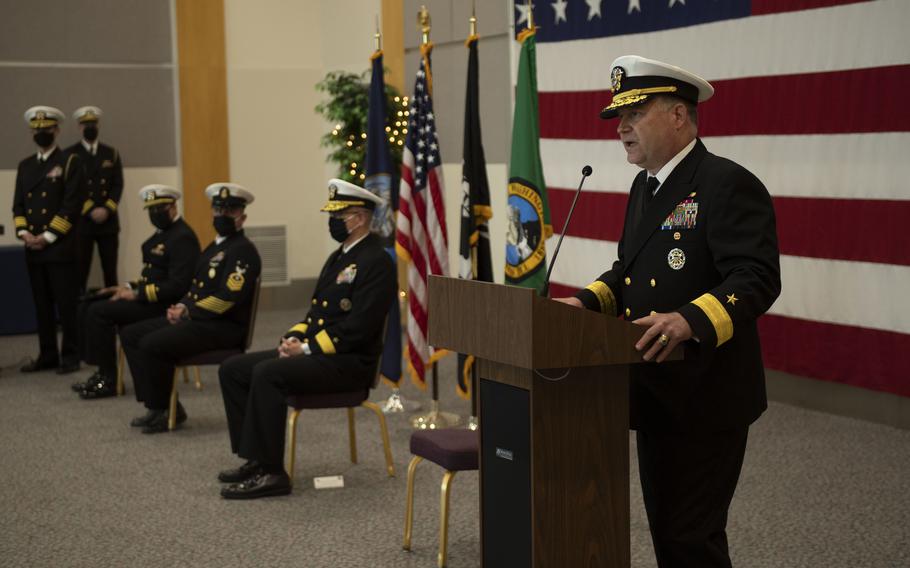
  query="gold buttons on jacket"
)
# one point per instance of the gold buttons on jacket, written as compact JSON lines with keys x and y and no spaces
{"x":200,"y":284}
{"x":628,"y":312}
{"x":325,"y":304}
{"x":309,"y":320}
{"x":314,"y":301}
{"x":43,"y":211}
{"x":653,"y":283}
{"x":628,"y":280}
{"x":335,"y":340}
{"x":677,"y":235}
{"x":29,"y":211}
{"x":29,"y":194}
{"x":320,"y":321}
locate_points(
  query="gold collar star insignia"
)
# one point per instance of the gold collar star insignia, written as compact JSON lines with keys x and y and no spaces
{"x":731,"y":299}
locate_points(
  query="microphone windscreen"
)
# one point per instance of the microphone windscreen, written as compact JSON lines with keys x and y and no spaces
{"x":586,"y":171}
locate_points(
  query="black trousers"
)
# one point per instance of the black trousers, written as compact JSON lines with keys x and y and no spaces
{"x":98,"y":322}
{"x":687,"y":482}
{"x":108,"y":244}
{"x":154,"y":346}
{"x":255,"y":387}
{"x":54,"y":290}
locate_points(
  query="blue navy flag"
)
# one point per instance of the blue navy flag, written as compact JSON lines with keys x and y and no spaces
{"x":379,"y":173}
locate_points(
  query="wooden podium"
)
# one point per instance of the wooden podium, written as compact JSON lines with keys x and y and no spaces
{"x":554,"y":422}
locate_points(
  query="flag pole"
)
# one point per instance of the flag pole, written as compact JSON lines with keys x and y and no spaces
{"x":395,"y":403}
{"x":435,"y":418}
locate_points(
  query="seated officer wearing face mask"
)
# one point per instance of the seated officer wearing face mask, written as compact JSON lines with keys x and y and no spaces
{"x":214,"y":313}
{"x":334,"y":349}
{"x":168,"y":260}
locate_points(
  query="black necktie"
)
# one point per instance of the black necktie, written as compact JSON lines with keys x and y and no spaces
{"x":653,"y":183}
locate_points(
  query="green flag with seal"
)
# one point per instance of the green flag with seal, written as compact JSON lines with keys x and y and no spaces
{"x":529,"y":212}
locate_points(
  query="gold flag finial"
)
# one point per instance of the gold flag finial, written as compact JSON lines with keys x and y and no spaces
{"x":473,"y":19}
{"x":423,"y":22}
{"x":378,"y":35}
{"x":530,"y":15}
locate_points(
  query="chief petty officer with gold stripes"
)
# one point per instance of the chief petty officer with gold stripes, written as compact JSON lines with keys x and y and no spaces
{"x":334,"y":349}
{"x":103,"y":185}
{"x":168,"y":260}
{"x":46,"y":207}
{"x":213,"y":314}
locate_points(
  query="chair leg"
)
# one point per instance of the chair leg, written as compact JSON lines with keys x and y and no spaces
{"x":384,"y":430}
{"x":352,"y":435}
{"x":186,"y":377}
{"x":198,"y":378}
{"x":444,"y":518}
{"x":120,"y":372}
{"x":172,"y":409}
{"x":409,"y":504}
{"x":292,"y":442}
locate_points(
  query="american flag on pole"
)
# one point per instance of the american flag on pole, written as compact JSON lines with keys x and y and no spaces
{"x":810,"y":96}
{"x":421,"y":227}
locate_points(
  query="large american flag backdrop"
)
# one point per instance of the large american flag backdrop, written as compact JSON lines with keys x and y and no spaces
{"x":811,"y":97}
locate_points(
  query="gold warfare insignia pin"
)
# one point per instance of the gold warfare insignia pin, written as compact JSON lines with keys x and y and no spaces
{"x":616,"y":78}
{"x":346,"y":304}
{"x":676,"y":259}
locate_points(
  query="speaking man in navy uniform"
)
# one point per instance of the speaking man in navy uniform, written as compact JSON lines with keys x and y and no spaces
{"x":103,"y":185}
{"x":46,"y":209}
{"x":698,"y":263}
{"x":214,"y":314}
{"x":168,"y":260}
{"x":334,"y":349}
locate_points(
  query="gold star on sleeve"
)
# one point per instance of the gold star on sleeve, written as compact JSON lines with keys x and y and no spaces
{"x":731,"y":299}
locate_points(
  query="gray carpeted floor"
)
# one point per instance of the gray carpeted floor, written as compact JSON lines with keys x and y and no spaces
{"x":79,"y":487}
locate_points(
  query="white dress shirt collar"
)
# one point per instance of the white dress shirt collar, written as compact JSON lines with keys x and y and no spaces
{"x":664,"y":172}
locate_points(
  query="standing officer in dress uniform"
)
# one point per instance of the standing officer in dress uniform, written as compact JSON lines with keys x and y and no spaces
{"x":698,"y":264}
{"x":214,"y":314}
{"x":46,"y":208}
{"x":103,"y":185}
{"x":334,"y":349}
{"x":168,"y":260}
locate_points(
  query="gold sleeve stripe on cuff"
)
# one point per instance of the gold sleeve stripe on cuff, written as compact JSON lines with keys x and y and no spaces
{"x":214,"y":305}
{"x":720,"y":319}
{"x":86,"y":206}
{"x":604,"y":296}
{"x":151,"y":292}
{"x":325,"y":343}
{"x":300,"y":327}
{"x":60,"y":224}
{"x":111,"y":204}
{"x":21,"y":222}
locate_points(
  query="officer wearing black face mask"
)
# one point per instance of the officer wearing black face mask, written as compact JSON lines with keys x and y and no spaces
{"x":46,"y":210}
{"x":169,"y":258}
{"x":214,"y":314}
{"x":335,"y":348}
{"x":103,"y":185}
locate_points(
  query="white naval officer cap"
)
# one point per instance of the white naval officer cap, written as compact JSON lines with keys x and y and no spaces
{"x":43,"y":116}
{"x":634,"y":78}
{"x":87,"y":114}
{"x":158,"y":194}
{"x":343,"y":194}
{"x":226,"y":194}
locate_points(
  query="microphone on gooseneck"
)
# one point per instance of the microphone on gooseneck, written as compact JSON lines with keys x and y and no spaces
{"x":585,"y":172}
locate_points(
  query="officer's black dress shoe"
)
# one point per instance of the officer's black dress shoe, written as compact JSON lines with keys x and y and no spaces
{"x":260,"y":485}
{"x":158,"y":424}
{"x":141,"y":421}
{"x":242,"y":473}
{"x":67,"y":368}
{"x":98,"y":386}
{"x":36,"y":365}
{"x":80,"y":386}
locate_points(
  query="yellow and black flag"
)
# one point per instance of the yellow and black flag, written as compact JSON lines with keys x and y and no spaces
{"x":476,"y":262}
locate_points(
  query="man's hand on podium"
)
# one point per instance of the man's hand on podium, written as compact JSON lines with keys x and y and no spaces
{"x":571,"y":300}
{"x":664,"y":333}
